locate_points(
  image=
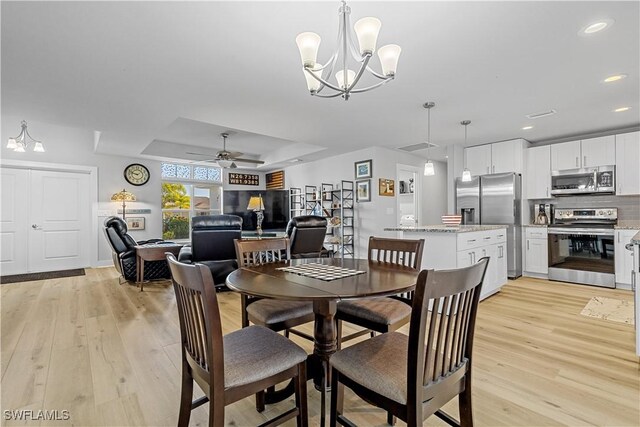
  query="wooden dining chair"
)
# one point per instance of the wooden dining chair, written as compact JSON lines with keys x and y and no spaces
{"x":412,"y":377}
{"x":277,"y":315}
{"x":382,"y":314}
{"x":231,"y":367}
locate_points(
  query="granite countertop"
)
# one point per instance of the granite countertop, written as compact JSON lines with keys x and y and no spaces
{"x":446,"y":228}
{"x":636,"y":239}
{"x":627,"y":225}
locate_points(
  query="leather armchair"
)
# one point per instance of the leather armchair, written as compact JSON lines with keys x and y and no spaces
{"x":124,"y":253}
{"x":212,"y":244}
{"x":307,"y":234}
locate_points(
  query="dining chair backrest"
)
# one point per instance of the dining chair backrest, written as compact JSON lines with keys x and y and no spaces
{"x":396,"y":251}
{"x":200,"y":325}
{"x":262,"y":251}
{"x":441,"y":330}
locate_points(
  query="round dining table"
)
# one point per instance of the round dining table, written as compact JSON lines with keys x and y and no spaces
{"x":377,"y":279}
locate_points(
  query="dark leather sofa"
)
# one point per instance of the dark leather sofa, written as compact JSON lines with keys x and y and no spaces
{"x":307,"y":234}
{"x":124,"y":253}
{"x":212,"y":245}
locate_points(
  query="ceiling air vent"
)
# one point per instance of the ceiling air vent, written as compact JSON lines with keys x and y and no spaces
{"x":416,"y":147}
{"x":540,"y":115}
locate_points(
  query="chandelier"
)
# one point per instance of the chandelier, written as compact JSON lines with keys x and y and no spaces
{"x":21,"y":142}
{"x":366,"y":30}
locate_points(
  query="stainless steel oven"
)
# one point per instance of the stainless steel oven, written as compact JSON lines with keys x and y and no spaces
{"x":596,"y":180}
{"x":581,"y":246}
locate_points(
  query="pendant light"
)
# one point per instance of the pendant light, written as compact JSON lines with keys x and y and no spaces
{"x":466,"y":173}
{"x":429,"y":170}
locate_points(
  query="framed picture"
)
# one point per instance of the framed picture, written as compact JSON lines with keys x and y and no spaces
{"x":136,"y":223}
{"x":386,"y":187}
{"x":363,"y":169}
{"x":363,"y":190}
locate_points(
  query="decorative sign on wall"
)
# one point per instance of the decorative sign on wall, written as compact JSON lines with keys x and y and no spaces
{"x":275,"y":180}
{"x":244,"y":179}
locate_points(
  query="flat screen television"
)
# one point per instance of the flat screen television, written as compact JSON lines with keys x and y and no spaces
{"x":276,"y":208}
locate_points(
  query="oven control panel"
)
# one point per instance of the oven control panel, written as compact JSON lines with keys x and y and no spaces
{"x":582,"y":214}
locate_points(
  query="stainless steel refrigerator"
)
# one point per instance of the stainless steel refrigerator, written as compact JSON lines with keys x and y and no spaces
{"x":495,"y":200}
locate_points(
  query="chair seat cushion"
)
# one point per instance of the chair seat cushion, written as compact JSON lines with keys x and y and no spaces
{"x":221,"y":269}
{"x":269,"y":312}
{"x":379,"y":364}
{"x":384,"y":311}
{"x":254,"y":353}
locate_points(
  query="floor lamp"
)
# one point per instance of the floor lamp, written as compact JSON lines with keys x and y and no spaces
{"x":256,"y":205}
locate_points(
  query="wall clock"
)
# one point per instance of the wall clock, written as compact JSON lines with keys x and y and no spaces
{"x":136,"y":174}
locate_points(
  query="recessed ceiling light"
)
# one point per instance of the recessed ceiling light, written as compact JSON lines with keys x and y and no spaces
{"x":527,"y":127}
{"x":596,"y":26}
{"x":621,"y":109}
{"x":615,"y":78}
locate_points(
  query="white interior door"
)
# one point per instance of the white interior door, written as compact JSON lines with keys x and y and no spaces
{"x":13,"y":221}
{"x":59,"y":224}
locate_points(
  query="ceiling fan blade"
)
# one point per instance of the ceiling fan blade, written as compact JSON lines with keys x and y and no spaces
{"x":198,"y":154}
{"x":235,"y":154}
{"x":258,"y":162}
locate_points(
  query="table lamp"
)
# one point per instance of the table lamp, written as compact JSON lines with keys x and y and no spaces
{"x":256,"y":205}
{"x":123,"y":196}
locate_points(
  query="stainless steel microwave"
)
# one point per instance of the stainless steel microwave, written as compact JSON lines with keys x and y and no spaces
{"x":596,"y":180}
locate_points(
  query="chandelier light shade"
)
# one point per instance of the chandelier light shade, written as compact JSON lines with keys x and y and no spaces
{"x":466,"y":173}
{"x":429,"y":169}
{"x":308,"y":44}
{"x":366,"y":32}
{"x":21,"y":142}
{"x":389,"y":56}
{"x":123,"y":196}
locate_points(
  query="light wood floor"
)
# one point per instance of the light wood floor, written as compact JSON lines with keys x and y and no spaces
{"x":110,"y":355}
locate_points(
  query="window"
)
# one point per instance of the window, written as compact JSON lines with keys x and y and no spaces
{"x":188,"y":191}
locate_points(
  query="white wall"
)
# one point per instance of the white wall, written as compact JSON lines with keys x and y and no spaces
{"x":75,"y":146}
{"x":372,"y":217}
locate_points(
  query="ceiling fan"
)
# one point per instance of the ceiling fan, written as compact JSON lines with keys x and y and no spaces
{"x":227,"y":159}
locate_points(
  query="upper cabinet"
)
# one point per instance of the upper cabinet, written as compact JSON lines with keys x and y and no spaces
{"x":478,"y":159}
{"x":499,"y":157}
{"x":599,"y":151}
{"x":585,"y":153}
{"x":565,"y":155}
{"x":627,"y":164}
{"x":537,"y":176}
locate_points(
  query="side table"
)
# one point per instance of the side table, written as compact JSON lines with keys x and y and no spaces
{"x":152,"y":252}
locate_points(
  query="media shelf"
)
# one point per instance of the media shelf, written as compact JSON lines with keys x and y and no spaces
{"x":311,"y":200}
{"x":342,"y":207}
{"x":296,"y":202}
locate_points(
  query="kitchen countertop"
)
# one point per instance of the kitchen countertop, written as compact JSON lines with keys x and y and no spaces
{"x":636,"y":239}
{"x":627,"y":225}
{"x":446,"y":228}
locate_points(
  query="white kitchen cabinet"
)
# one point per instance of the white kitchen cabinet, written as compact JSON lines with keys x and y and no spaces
{"x":565,"y":155}
{"x":623,"y":257}
{"x":598,"y":151}
{"x":583,"y":154}
{"x":627,"y":158}
{"x":536,"y":256}
{"x":537,"y":175}
{"x":478,"y":159}
{"x":499,"y":157}
{"x":501,"y":265}
{"x":507,"y":156}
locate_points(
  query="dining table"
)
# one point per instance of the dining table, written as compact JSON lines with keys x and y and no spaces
{"x":325,"y":290}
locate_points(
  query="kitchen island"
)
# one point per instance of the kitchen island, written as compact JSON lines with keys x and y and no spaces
{"x":448,"y":247}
